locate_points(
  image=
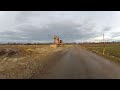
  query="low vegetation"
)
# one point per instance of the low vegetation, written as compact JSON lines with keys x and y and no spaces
{"x":112,"y":50}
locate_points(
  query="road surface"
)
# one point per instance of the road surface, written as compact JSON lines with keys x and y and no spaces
{"x":77,"y":63}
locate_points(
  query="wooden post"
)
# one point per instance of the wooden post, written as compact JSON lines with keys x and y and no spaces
{"x":103,"y":45}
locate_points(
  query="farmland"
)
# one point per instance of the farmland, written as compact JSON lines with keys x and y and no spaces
{"x":112,"y":50}
{"x":69,"y":61}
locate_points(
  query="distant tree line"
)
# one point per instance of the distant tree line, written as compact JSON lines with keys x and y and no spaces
{"x":14,"y":43}
{"x":102,"y":42}
{"x":20,"y":43}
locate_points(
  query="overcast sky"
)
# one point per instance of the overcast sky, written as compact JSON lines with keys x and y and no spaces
{"x":70,"y":26}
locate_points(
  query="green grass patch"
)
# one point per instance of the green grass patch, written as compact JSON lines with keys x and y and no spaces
{"x":112,"y":51}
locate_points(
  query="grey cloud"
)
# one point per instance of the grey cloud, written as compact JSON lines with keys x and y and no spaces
{"x":41,"y":26}
{"x":106,"y":28}
{"x":27,"y":16}
{"x":115,"y":34}
{"x":65,"y":30}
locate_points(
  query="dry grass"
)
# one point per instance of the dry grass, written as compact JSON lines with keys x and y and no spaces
{"x":21,"y":61}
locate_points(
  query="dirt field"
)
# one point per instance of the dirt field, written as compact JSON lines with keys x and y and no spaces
{"x":67,"y":62}
{"x":20,"y":61}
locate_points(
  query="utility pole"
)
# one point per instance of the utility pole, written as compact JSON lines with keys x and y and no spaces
{"x":103,"y":45}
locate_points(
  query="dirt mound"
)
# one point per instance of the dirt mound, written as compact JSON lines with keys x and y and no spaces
{"x":10,"y":52}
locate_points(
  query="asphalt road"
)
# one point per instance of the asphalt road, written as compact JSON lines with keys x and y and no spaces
{"x":77,"y":63}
